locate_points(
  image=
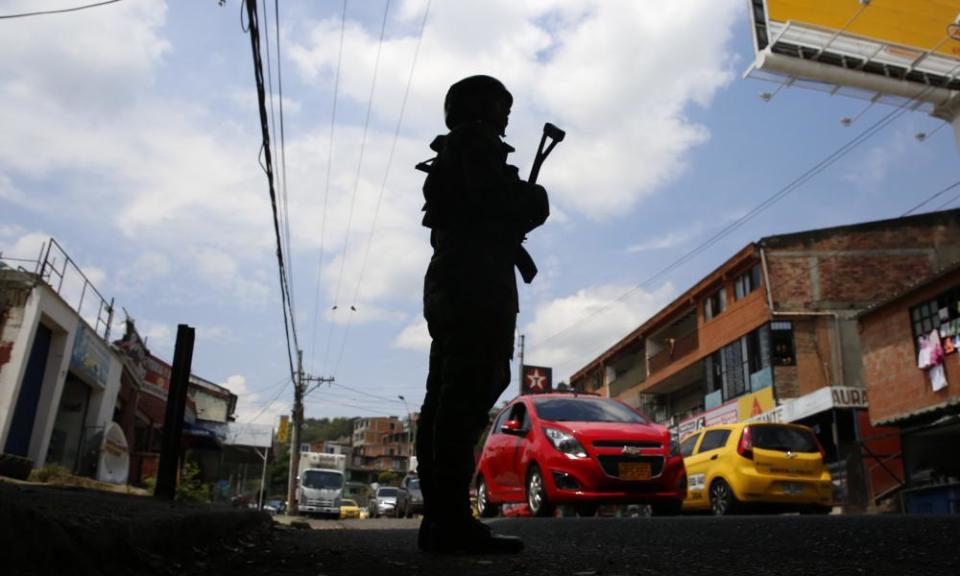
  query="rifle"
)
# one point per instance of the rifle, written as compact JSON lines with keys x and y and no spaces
{"x":525,"y":264}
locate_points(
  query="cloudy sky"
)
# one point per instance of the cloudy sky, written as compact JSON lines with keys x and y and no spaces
{"x":130,"y":133}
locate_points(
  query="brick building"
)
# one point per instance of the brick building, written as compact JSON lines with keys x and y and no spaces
{"x":772,"y":333}
{"x":379,"y":445}
{"x":909,"y":397}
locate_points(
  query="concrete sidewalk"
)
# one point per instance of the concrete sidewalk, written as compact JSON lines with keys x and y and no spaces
{"x":63,"y":530}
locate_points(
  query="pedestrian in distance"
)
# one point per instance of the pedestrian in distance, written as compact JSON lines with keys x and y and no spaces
{"x":478,"y":211}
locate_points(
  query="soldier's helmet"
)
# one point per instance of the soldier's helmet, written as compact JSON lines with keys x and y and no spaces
{"x":474,"y":98}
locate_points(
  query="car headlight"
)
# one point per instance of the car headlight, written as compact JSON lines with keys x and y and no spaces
{"x":565,"y":443}
{"x":674,"y":444}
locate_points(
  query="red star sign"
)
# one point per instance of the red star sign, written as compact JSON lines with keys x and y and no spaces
{"x":536,"y":380}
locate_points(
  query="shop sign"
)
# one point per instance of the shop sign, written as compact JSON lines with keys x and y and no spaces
{"x":90,"y":358}
{"x":735,"y":410}
{"x":821,"y":400}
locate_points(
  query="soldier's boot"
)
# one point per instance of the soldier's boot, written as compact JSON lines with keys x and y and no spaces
{"x":467,"y":536}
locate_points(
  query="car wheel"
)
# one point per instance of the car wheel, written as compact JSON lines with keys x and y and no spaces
{"x":722,"y":499}
{"x":485,"y":508}
{"x":537,"y":494}
{"x":666,"y":509}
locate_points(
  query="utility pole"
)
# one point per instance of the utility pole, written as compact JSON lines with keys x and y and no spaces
{"x":299,"y":391}
{"x":520,"y":368}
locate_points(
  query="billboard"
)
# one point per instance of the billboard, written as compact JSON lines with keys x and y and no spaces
{"x":882,"y":50}
{"x":536,"y":379}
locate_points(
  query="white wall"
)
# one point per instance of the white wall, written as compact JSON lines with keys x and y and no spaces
{"x":46,"y":307}
{"x":43,"y":305}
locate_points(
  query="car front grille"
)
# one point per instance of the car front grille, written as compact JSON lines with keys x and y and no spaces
{"x":624,"y":443}
{"x":611,"y":464}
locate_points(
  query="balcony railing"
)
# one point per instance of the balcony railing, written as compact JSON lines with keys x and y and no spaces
{"x":678,"y":349}
{"x":66,"y":278}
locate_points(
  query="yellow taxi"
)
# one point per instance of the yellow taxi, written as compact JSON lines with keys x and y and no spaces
{"x":778,"y":466}
{"x":349,"y":509}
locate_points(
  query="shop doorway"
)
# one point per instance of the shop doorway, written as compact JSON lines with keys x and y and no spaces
{"x":25,"y":414}
{"x":67,"y":439}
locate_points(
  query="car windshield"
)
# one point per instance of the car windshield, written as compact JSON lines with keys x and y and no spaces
{"x":585,"y":410}
{"x":413,"y":485}
{"x":322,"y":480}
{"x":348,"y":503}
{"x":387,"y":492}
{"x":783,"y":438}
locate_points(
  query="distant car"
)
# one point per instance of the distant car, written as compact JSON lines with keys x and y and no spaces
{"x":579,"y":450}
{"x":409,"y":497}
{"x":384,"y":502}
{"x":774,"y":467}
{"x":274,"y":506}
{"x":349,"y":509}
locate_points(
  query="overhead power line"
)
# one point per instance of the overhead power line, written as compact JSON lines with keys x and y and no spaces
{"x":326,"y":190}
{"x":288,"y":319}
{"x":363,"y":147}
{"x":383,"y":184}
{"x":59,"y":11}
{"x":781,"y":193}
{"x":353,"y":199}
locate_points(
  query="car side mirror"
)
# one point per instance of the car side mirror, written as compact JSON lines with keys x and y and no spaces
{"x":513,"y":427}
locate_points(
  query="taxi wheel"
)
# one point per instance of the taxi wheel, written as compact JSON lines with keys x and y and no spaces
{"x":722,"y":500}
{"x":537,"y":494}
{"x":484,"y":507}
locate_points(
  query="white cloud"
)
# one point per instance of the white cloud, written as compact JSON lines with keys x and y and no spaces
{"x":159,"y":337}
{"x":215,"y":333}
{"x":618,"y":75}
{"x":669,"y":240}
{"x":27,"y":246}
{"x":414,"y":337}
{"x":566,"y":333}
{"x":257,"y":406}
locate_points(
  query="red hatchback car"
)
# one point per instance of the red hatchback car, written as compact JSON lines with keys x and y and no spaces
{"x":579,"y":450}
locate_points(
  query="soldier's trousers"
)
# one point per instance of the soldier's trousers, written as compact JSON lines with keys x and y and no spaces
{"x":469,"y":369}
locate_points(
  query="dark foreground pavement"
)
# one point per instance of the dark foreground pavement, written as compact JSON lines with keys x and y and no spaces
{"x":56,"y":531}
{"x":685,"y":546}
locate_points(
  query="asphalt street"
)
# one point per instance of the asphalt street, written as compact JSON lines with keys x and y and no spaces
{"x":875,"y":545}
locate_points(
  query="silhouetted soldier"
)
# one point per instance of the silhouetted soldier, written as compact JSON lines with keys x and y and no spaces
{"x":478,"y":210}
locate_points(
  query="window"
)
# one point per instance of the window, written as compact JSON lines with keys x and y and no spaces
{"x":585,"y":410}
{"x":746,"y":283}
{"x":784,"y":439}
{"x":941,"y":313}
{"x":686,"y":447}
{"x":713,"y":439}
{"x":519,"y":412}
{"x":714,"y":304}
{"x":500,"y":420}
{"x":781,"y":340}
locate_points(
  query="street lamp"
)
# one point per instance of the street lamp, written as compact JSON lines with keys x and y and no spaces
{"x":412,"y":431}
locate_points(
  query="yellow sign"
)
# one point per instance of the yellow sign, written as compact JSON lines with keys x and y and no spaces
{"x":282,"y":430}
{"x":755,"y":404}
{"x":921,"y":24}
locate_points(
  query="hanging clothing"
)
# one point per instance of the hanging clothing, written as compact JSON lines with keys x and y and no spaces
{"x":938,"y":378}
{"x":923,"y":357}
{"x":936,"y":350}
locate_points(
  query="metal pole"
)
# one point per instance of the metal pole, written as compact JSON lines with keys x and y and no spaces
{"x":520,"y":369}
{"x":263,"y":477}
{"x":173,"y":421}
{"x":297,"y":417}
